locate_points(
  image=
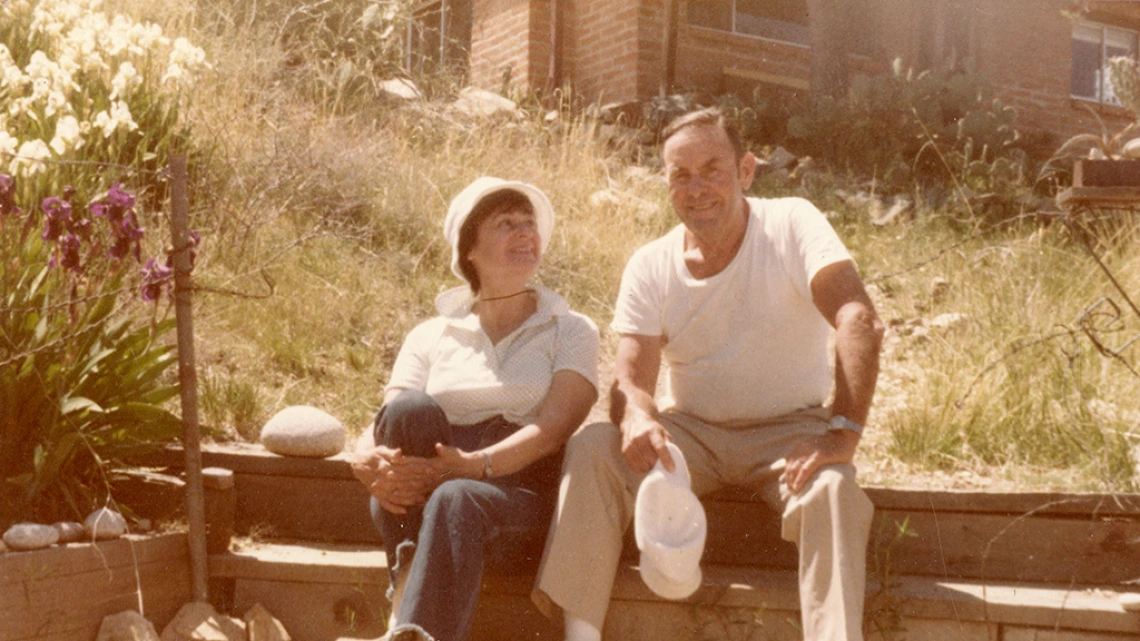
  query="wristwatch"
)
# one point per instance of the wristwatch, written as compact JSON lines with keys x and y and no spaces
{"x":840,"y":422}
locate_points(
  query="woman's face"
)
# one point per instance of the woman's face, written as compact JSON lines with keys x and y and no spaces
{"x":507,"y":244}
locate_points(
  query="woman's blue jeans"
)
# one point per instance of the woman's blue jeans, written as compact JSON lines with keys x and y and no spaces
{"x":466,"y":526}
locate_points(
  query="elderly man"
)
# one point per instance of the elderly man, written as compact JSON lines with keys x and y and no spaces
{"x":738,"y":302}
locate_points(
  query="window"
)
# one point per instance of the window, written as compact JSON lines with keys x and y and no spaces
{"x":785,"y":20}
{"x":439,"y":36}
{"x":1093,"y":45}
{"x":944,"y":34}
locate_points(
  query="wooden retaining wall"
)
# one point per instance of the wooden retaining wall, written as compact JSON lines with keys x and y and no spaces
{"x":63,"y":592}
{"x":968,"y":565}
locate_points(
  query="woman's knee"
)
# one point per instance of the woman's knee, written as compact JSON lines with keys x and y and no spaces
{"x":409,"y":403}
{"x":455,"y":500}
{"x":413,"y":421}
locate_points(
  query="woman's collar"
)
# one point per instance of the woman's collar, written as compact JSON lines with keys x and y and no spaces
{"x":455,"y":304}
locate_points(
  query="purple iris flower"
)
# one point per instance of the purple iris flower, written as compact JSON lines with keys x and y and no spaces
{"x":120,"y":198}
{"x":57,"y":214}
{"x":118,"y":209}
{"x":156,"y":279}
{"x":81,"y":227}
{"x":8,"y":197}
{"x":120,"y":248}
{"x":69,"y":247}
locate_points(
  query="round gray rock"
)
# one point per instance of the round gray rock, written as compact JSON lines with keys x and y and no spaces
{"x":302,"y":430}
{"x":69,"y":531}
{"x":30,"y":536}
{"x":105,"y":523}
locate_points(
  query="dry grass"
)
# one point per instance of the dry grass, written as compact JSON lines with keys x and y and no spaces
{"x":337,"y":211}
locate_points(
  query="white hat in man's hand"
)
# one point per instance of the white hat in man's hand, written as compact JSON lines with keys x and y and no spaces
{"x":670,"y":527}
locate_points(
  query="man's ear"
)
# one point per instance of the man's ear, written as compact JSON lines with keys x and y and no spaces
{"x":747,"y":170}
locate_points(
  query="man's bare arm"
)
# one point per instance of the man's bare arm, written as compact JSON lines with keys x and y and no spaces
{"x":632,"y":405}
{"x":839,"y":295}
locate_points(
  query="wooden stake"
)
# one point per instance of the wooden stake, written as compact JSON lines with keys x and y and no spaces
{"x":188,"y":376}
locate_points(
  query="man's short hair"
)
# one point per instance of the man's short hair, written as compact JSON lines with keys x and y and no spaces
{"x":712,"y":117}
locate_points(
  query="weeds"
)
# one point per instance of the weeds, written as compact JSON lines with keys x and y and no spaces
{"x":883,"y":612}
{"x":323,"y":202}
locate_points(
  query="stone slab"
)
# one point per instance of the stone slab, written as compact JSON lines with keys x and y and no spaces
{"x":317,"y":611}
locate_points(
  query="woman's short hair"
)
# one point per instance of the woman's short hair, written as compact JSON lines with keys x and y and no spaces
{"x":492,"y":203}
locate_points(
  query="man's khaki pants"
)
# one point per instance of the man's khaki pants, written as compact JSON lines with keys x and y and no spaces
{"x":829,"y":520}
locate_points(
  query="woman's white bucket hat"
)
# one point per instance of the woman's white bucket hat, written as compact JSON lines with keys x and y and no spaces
{"x":463,"y":203}
{"x":670,"y":528}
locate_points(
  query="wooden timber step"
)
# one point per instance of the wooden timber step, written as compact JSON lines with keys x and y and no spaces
{"x":322,"y":592}
{"x":1085,"y":539}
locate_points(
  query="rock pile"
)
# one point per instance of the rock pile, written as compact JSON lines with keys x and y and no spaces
{"x":195,"y":622}
{"x":101,"y":524}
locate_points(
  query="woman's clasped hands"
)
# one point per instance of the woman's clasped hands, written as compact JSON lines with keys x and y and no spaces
{"x":399,"y":481}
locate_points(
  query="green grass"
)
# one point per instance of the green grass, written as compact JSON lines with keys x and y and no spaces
{"x":323,"y":214}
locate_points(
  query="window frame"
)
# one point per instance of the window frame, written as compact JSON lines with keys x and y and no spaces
{"x":735,"y":30}
{"x":1100,"y":76}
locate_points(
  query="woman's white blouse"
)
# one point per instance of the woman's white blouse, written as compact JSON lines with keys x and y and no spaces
{"x":451,"y":358}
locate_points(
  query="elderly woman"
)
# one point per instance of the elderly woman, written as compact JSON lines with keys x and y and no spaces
{"x":464,"y":457}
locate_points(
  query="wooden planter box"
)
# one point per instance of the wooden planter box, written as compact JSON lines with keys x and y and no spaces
{"x":63,"y":592}
{"x":1106,"y":173}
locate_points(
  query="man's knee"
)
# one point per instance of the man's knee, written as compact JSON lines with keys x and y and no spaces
{"x":594,"y":443}
{"x":834,"y":496}
{"x":838,"y":481}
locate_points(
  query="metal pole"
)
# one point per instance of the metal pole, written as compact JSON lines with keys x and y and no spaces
{"x":188,"y":377}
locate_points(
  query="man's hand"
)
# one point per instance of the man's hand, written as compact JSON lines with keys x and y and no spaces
{"x":395,"y":480}
{"x":643,"y":443}
{"x":810,"y":454}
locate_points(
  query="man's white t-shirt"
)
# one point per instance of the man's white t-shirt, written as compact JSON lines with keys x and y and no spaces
{"x":747,"y":344}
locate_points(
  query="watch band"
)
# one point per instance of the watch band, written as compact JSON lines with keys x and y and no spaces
{"x":487,"y":471}
{"x":840,"y":422}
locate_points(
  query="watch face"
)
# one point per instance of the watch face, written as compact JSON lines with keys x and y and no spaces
{"x":844,"y":423}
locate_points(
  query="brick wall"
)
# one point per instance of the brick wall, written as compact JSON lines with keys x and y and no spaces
{"x":603,"y":45}
{"x":1024,"y":49}
{"x":510,"y":33}
{"x":613,"y":51}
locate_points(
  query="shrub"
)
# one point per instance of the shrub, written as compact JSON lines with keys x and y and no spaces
{"x":908,"y":126}
{"x":88,"y":100}
{"x":89,"y":90}
{"x":334,"y":53}
{"x":80,"y":387}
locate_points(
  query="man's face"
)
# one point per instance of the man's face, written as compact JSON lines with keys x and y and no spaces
{"x":706,"y":183}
